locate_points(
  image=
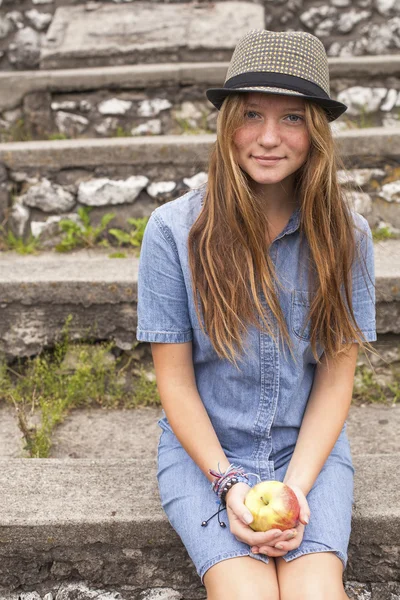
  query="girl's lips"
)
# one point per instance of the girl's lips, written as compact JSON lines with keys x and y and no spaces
{"x":267,"y":161}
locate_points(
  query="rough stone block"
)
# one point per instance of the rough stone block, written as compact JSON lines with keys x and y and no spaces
{"x":125,"y":34}
{"x":33,"y":312}
{"x":386,"y":591}
{"x":4,"y":202}
{"x":80,"y":518}
{"x":37,"y":112}
{"x":3,"y":173}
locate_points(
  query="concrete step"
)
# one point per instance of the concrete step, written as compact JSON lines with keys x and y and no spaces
{"x":355,"y":70}
{"x":39,"y":292}
{"x":43,"y":181}
{"x":368,"y":147}
{"x":73,"y":284}
{"x":168,"y":98}
{"x":97,"y":433}
{"x":122,"y":34}
{"x":101,"y":521}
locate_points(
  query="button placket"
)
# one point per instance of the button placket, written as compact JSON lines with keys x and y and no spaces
{"x":269,"y":364}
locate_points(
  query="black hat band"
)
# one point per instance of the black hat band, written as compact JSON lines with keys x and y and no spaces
{"x":280,"y":80}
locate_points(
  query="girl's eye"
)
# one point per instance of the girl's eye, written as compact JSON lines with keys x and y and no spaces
{"x":250,"y":114}
{"x":297,"y":117}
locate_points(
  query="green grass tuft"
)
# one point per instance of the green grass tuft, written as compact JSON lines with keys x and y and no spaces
{"x":44,"y":389}
{"x":382,"y":234}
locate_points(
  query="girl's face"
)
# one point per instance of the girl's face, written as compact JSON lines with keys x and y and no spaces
{"x":274,"y":142}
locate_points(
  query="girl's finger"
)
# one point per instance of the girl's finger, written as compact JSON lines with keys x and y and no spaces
{"x":288,"y":545}
{"x":305,"y":518}
{"x":271,"y":551}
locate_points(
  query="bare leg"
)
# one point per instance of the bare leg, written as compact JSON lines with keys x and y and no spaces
{"x":311,"y":576}
{"x":241,"y":578}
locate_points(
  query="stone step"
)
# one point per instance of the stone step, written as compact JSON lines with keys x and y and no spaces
{"x":38,"y":293}
{"x":368,"y":147}
{"x":345,"y":29}
{"x":101,"y":521}
{"x":119,"y":433}
{"x":14,"y":86}
{"x":168,"y":98}
{"x":126,"y":34}
{"x":130,"y":177}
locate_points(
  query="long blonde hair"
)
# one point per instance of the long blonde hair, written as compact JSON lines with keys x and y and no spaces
{"x":228,"y":238}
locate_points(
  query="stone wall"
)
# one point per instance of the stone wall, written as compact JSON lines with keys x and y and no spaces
{"x":170,"y":110}
{"x":347,"y":28}
{"x":82,"y":591}
{"x":41,"y":200}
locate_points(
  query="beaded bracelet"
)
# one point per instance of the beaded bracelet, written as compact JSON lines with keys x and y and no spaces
{"x":224,"y":481}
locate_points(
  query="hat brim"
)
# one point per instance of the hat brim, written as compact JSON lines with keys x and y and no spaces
{"x":333,"y":108}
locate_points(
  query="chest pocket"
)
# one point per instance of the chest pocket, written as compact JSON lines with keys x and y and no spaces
{"x":300,"y":306}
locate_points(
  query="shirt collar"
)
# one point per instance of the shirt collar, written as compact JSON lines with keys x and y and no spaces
{"x":293,"y":224}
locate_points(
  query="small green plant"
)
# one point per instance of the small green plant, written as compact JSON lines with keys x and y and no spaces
{"x":73,"y":375}
{"x":365,"y":119}
{"x":83,"y":234}
{"x":20,"y":132}
{"x":117,"y":255}
{"x":145,"y":391}
{"x":57,"y":136}
{"x":133,"y":237}
{"x":368,"y":389}
{"x":187,"y":128}
{"x":381,"y":234}
{"x":394,"y":387}
{"x":121,"y":132}
{"x":9,"y":241}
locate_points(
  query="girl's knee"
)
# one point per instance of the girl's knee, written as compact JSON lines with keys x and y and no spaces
{"x":241,"y":578}
{"x":244,"y":593}
{"x":311,"y":576}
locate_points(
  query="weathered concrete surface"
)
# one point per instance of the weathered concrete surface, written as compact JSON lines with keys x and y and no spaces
{"x":96,"y":433}
{"x":127,"y":34}
{"x":387,"y":268}
{"x":79,"y":590}
{"x":362,"y":147}
{"x":102,"y":521}
{"x":387,"y":265}
{"x":374,"y":550}
{"x":80,"y":277}
{"x":15,"y":85}
{"x":4,"y":202}
{"x":106,"y":77}
{"x":38,"y":296}
{"x":38,"y":293}
{"x":95,"y":520}
{"x":151,"y":150}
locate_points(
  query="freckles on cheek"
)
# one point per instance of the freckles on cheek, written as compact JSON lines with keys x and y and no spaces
{"x":241,"y":138}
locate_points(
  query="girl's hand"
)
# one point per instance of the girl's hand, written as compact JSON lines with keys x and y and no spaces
{"x":237,"y":512}
{"x":291,"y":538}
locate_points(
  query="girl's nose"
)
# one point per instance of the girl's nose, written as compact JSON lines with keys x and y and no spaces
{"x":269,"y":134}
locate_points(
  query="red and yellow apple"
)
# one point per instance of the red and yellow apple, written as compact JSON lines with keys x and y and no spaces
{"x":274,"y":505}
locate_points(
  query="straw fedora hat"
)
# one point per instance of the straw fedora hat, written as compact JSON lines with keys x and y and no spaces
{"x":288,"y":63}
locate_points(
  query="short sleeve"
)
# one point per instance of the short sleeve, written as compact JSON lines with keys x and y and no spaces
{"x":163,"y":314}
{"x":363,"y":281}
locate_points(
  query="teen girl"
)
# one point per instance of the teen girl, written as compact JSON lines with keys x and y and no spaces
{"x":256,"y":291}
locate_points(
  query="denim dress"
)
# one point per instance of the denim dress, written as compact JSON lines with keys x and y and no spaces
{"x":256,"y":411}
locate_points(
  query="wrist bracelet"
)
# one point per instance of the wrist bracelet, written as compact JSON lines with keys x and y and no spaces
{"x":230,"y":482}
{"x":224,"y":481}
